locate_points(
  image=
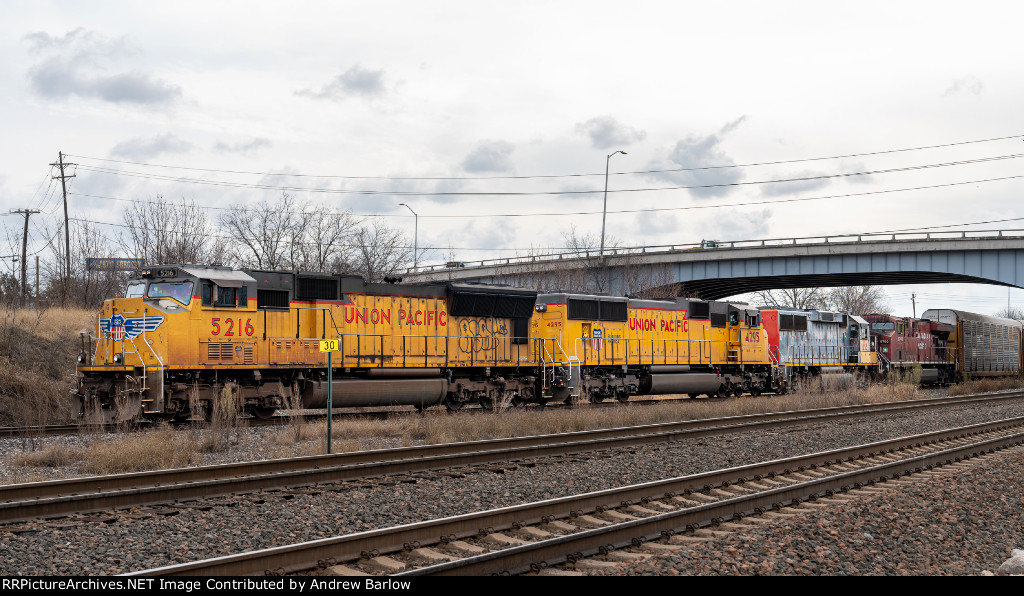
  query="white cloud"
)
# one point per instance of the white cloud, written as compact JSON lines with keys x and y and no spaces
{"x":76,"y":65}
{"x":354,"y":82}
{"x":606,"y":132}
{"x":141,"y":149}
{"x":489,"y":156}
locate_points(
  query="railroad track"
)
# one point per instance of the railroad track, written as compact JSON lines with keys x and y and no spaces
{"x":102,"y":493}
{"x":532,"y":537}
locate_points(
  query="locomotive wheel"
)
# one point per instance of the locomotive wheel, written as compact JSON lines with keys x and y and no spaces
{"x":453,"y":404}
{"x":486,"y":402}
{"x":622,"y":397}
{"x":596,"y":398}
{"x":264,"y":413}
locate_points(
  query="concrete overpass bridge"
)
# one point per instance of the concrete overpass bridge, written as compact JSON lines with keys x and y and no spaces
{"x":714,"y":270}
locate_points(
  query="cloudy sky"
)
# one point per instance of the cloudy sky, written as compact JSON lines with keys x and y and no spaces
{"x":490,"y":120}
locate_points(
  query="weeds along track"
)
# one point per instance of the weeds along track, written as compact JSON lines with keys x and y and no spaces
{"x":313,"y":415}
{"x":21,"y":502}
{"x":654,"y":516}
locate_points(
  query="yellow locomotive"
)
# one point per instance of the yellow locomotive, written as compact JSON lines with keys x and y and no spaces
{"x":610,"y":347}
{"x":183,"y":335}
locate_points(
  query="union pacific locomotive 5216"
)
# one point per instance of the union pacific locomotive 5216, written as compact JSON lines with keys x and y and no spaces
{"x":183,"y":335}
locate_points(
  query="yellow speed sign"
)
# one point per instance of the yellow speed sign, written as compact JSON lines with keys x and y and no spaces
{"x":329,"y":345}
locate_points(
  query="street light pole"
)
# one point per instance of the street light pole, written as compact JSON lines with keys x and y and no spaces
{"x":415,"y":238}
{"x":604,"y":213}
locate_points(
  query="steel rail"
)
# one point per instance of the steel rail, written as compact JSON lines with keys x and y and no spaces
{"x":309,"y":555}
{"x":99,"y":493}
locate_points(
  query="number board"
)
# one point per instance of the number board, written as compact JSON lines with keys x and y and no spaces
{"x":329,"y":345}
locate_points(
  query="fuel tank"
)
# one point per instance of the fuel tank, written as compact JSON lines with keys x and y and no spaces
{"x":365,"y":393}
{"x":682,"y":383}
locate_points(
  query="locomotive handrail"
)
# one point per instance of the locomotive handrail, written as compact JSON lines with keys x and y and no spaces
{"x":701,"y":359}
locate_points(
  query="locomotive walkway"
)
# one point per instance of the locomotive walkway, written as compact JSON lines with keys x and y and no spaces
{"x":715,"y":269}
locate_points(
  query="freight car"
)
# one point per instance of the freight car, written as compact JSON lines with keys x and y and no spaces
{"x":810,"y":344}
{"x":980,"y":345}
{"x":904,"y":344}
{"x":185,"y":339}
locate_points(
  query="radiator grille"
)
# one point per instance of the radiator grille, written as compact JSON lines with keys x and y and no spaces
{"x":220,"y":351}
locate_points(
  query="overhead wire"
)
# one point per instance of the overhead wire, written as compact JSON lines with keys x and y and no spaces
{"x":681,"y":169}
{"x":341,"y":191}
{"x":619,"y":211}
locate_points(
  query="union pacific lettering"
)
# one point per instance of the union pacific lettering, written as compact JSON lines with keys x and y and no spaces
{"x":669,"y":325}
{"x":405,"y":317}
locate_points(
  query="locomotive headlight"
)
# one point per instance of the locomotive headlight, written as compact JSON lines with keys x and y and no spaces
{"x":117,"y":358}
{"x":542,"y":308}
{"x":81,"y":358}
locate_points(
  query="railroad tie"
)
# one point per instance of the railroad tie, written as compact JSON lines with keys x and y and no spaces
{"x":464,"y":547}
{"x":505,"y":539}
{"x":344,"y":571}
{"x":429,"y":555}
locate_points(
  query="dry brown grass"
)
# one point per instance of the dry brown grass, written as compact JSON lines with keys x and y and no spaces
{"x":54,"y":456}
{"x":38,"y":351}
{"x":157,"y":449}
{"x":164,"y":448}
{"x":436,"y":426}
{"x":985,"y":384}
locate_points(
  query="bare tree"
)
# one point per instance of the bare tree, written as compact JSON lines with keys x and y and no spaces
{"x":791,"y":298}
{"x":593,"y":274}
{"x":322,"y":241}
{"x":1011,"y":312}
{"x":380,"y":251}
{"x":161,"y":231}
{"x":263,"y":232}
{"x":291,"y":234}
{"x":91,"y":287}
{"x":858,"y":300}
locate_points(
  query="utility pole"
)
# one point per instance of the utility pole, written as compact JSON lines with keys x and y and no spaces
{"x":67,"y":233}
{"x":24,"y":250}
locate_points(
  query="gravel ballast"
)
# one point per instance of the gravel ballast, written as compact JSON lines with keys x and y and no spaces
{"x":958,"y":524}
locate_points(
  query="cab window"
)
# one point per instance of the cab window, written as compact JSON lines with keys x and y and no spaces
{"x":214,"y":295}
{"x":180,"y":291}
{"x":226,"y":297}
{"x":135,"y":289}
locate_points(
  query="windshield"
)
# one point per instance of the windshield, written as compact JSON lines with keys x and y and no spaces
{"x":135,"y":289}
{"x":882,"y":326}
{"x":178,"y":290}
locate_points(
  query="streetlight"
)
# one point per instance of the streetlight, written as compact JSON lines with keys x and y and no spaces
{"x":604,"y":214}
{"x":416,"y":238}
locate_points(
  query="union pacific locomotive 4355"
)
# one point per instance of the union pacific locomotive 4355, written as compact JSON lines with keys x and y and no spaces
{"x":183,"y":335}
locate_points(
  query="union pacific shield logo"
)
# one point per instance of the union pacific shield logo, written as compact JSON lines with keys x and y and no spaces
{"x":118,"y":327}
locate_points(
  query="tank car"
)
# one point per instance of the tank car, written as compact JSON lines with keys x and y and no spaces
{"x":903,"y":343}
{"x":183,"y":335}
{"x":809,"y":343}
{"x":598,"y":347}
{"x":980,"y":345}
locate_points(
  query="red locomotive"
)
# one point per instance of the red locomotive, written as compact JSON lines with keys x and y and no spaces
{"x":903,"y":343}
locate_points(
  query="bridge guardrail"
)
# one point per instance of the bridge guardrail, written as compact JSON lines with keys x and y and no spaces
{"x":720,"y":244}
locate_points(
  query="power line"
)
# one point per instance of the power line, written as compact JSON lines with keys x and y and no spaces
{"x":728,"y":166}
{"x":620,"y":211}
{"x":227,"y":184}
